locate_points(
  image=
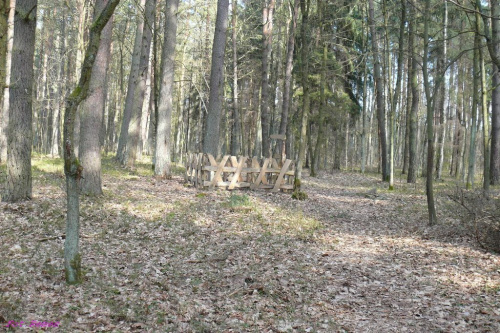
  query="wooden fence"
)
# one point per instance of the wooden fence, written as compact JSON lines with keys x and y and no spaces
{"x":203,"y":170}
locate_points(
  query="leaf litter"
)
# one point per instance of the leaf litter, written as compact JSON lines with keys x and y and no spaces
{"x":163,"y":256}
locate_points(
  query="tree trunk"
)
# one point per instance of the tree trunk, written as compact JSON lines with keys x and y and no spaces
{"x":267,"y":37}
{"x":321,"y":136}
{"x":304,"y":55}
{"x":132,"y":81}
{"x":397,"y":90}
{"x":211,"y":135}
{"x":285,"y":107}
{"x":406,"y":158}
{"x":412,"y":136}
{"x":495,"y":128}
{"x":472,"y":151}
{"x":440,"y":99}
{"x":363,"y":120}
{"x":459,"y":126}
{"x":58,"y":94}
{"x":430,"y":117}
{"x":492,"y":33}
{"x":72,"y":168}
{"x":4,"y":55}
{"x":145,"y":110}
{"x":134,"y":128}
{"x":92,"y":112}
{"x":236,"y":129}
{"x":19,"y":183}
{"x":164,"y":128}
{"x":379,"y":92}
{"x":486,"y":120}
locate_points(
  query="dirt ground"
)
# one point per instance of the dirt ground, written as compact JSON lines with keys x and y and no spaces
{"x":160,"y":256}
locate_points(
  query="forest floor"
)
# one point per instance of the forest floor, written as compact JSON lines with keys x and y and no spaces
{"x":160,"y":256}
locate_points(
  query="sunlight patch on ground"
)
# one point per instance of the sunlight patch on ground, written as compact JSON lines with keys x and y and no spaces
{"x":49,"y":165}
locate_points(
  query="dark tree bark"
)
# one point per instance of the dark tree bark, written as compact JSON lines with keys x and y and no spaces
{"x":415,"y":96}
{"x":495,"y":129}
{"x":92,"y":112}
{"x":211,"y":135}
{"x":429,"y":189}
{"x":72,"y":168}
{"x":164,"y":129}
{"x":20,"y":136}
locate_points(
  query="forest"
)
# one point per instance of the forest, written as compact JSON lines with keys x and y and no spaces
{"x":250,"y":166}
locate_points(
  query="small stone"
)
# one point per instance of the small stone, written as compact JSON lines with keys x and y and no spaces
{"x":16,"y":248}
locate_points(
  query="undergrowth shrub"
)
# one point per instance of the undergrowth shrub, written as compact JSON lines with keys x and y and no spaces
{"x":481,"y":215}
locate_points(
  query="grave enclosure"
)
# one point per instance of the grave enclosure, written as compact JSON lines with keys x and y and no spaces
{"x":231,"y":172}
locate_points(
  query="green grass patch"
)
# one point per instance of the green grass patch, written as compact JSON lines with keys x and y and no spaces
{"x":236,"y":200}
{"x":48,"y":165}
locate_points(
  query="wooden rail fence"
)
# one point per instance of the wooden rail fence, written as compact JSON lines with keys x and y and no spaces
{"x":203,"y":170}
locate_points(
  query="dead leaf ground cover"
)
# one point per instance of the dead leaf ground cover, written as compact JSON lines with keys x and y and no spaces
{"x":163,"y":257}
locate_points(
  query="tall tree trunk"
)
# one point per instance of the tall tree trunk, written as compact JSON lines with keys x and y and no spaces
{"x":321,"y":136}
{"x":60,"y":44}
{"x":19,"y":182}
{"x":164,"y":128}
{"x":459,"y":125}
{"x":236,"y":129}
{"x":395,"y":98}
{"x":406,"y":158}
{"x":365,"y":97}
{"x":441,"y":98}
{"x":379,"y":92}
{"x":304,"y":55}
{"x":430,"y":117}
{"x":495,"y":128}
{"x":475,"y":97}
{"x":363,"y":120}
{"x":155,"y":87}
{"x":486,"y":118}
{"x":4,"y":106}
{"x":211,"y":135}
{"x":492,"y":33}
{"x":4,"y":41}
{"x":80,"y":39}
{"x":285,"y":107}
{"x":72,"y":168}
{"x":134,"y":129}
{"x":92,"y":112}
{"x":145,"y":109}
{"x":132,"y":82}
{"x":413,"y":114}
{"x":267,"y":37}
